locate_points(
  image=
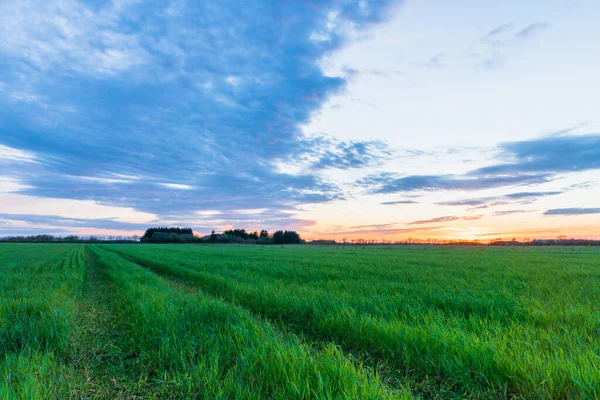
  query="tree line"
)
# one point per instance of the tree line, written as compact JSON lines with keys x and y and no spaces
{"x":185,"y":235}
{"x":69,"y":239}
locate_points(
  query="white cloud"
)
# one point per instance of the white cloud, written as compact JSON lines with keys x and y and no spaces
{"x":176,"y":186}
{"x":10,"y":185}
{"x":9,"y":153}
{"x":208,"y":213}
{"x":19,"y":204}
{"x":251,"y":211}
{"x":70,"y":34}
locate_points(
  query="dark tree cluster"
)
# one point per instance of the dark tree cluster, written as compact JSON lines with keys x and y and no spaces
{"x":177,"y":230}
{"x":286,"y":237}
{"x":241,"y":233}
{"x":236,"y":235}
{"x":31,"y":239}
{"x":242,"y":236}
{"x":168,"y":235}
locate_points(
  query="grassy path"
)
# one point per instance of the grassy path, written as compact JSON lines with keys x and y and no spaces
{"x":103,"y":367}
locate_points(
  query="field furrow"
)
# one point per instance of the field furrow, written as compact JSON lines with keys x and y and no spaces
{"x":102,"y":365}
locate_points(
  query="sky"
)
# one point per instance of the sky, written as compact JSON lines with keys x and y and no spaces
{"x":374,"y":119}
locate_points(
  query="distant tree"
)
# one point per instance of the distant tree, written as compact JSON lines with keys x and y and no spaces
{"x":264,"y":233}
{"x":278,"y":237}
{"x":286,"y":237}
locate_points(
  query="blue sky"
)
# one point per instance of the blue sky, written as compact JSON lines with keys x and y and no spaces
{"x":384,"y":119}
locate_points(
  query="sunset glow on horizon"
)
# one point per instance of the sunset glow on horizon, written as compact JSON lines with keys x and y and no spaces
{"x":374,"y":119}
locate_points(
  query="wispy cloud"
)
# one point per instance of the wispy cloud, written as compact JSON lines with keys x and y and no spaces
{"x":72,"y":35}
{"x":510,"y":212}
{"x":386,"y":183}
{"x":445,"y":219}
{"x":381,"y":232}
{"x":572,"y":211}
{"x":437,"y":61}
{"x":510,"y":198}
{"x":490,"y":50}
{"x":532,"y":29}
{"x":375,"y":226}
{"x":324,"y":152}
{"x":12,"y":154}
{"x":551,"y":154}
{"x":528,"y":162}
{"x":398,"y":202}
{"x":497,"y":31}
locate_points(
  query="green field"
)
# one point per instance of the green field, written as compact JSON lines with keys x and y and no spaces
{"x":177,"y":321}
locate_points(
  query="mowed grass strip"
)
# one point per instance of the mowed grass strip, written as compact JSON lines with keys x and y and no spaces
{"x":497,"y":322}
{"x":38,"y":287}
{"x":189,"y":345}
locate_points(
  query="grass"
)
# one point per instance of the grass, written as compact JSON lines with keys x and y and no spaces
{"x":38,"y":286}
{"x":168,"y":321}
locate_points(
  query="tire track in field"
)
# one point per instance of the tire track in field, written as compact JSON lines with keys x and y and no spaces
{"x":100,"y":358}
{"x":313,"y":340}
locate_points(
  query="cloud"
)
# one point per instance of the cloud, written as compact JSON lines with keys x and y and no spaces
{"x":518,"y":197}
{"x":551,"y":154}
{"x":197,"y":102}
{"x":62,"y":222}
{"x":19,"y":204}
{"x":497,"y":31}
{"x":398,"y":202}
{"x":434,"y":62}
{"x":386,"y":183}
{"x":504,"y":32}
{"x":375,"y":226}
{"x":530,"y":195}
{"x":510,"y":212}
{"x":11,"y":185}
{"x":12,"y":154}
{"x":572,"y":211}
{"x":323,"y":152}
{"x":490,"y":50}
{"x":72,"y":35}
{"x":532,"y":29}
{"x":381,"y":231}
{"x":434,"y":220}
{"x":528,"y":162}
{"x":445,"y":219}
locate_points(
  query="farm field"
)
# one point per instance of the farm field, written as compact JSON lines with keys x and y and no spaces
{"x":177,"y":321}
